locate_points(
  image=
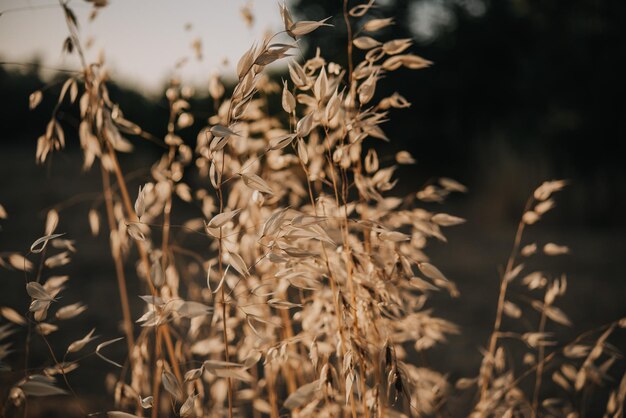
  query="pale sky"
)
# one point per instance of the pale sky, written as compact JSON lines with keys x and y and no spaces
{"x":142,"y":39}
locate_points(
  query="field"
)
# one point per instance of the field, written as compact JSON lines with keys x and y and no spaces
{"x":287,"y":260}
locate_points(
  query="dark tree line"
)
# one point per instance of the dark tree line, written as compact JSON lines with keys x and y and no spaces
{"x":521,"y":91}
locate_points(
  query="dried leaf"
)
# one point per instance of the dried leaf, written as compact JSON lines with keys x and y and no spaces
{"x":530,"y":217}
{"x":219,"y":364}
{"x":41,"y":243}
{"x":297,"y":74}
{"x":222,"y":219}
{"x":37,"y":291}
{"x":34,"y":99}
{"x":304,"y":27}
{"x":185,"y":120}
{"x":39,"y":385}
{"x":45,"y":329}
{"x":140,"y":206}
{"x":273,"y":223}
{"x":256,"y":183}
{"x":61,"y":368}
{"x":147,"y":402}
{"x":238,"y":374}
{"x":410,"y":61}
{"x":52,"y":220}
{"x":374,"y":25}
{"x":528,"y":250}
{"x":171,"y":384}
{"x":193,"y":374}
{"x":431,"y":271}
{"x":245,"y":62}
{"x":305,"y":125}
{"x":262,"y":406}
{"x":361,"y":9}
{"x":288,"y":101}
{"x":281,"y":141}
{"x":79,"y":344}
{"x":135,"y":232}
{"x":237,"y":262}
{"x":39,"y":306}
{"x":537,"y":339}
{"x":302,"y":152}
{"x":222,"y":131}
{"x":397,"y":46}
{"x":393,"y":236}
{"x":545,"y":206}
{"x":222,"y":280}
{"x":421,"y":284}
{"x":443,"y":219}
{"x":555,"y":249}
{"x":546,"y":189}
{"x":512,"y":310}
{"x":365,"y":42}
{"x":273,"y":53}
{"x":70,"y":311}
{"x":58,"y":260}
{"x":282,"y":304}
{"x":19,"y":262}
{"x":403,"y":157}
{"x":557,"y":315}
{"x":321,"y":85}
{"x":190,"y":309}
{"x":11,"y":315}
{"x":186,"y":410}
{"x":94,"y":222}
{"x":105,"y":344}
{"x":452,"y":185}
{"x":303,"y":395}
{"x":286,"y":16}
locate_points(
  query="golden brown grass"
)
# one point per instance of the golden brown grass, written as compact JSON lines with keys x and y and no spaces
{"x":314,"y":294}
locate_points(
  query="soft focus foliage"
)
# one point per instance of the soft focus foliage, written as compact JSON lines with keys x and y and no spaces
{"x":311,"y":295}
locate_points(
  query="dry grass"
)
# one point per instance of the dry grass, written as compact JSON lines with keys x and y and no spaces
{"x":313,"y":297}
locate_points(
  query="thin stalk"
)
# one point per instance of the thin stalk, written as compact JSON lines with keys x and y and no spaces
{"x":255,"y":373}
{"x":156,"y":382}
{"x":121,"y":182}
{"x":348,"y":260}
{"x":42,"y":259}
{"x":67,"y":383}
{"x":119,"y":268}
{"x":167,"y":210}
{"x":30,"y":325}
{"x":288,"y":372}
{"x":493,"y":341}
{"x":333,"y":285}
{"x":142,"y":250}
{"x":540,"y":366}
{"x":223,"y":299}
{"x":349,"y":46}
{"x":610,"y":326}
{"x":271,"y":391}
{"x":361,"y":198}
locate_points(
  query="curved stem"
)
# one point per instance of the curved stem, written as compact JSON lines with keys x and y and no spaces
{"x":119,"y":268}
{"x":540,"y":365}
{"x":493,"y":341}
{"x":142,"y":250}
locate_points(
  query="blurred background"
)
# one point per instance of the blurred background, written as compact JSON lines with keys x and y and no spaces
{"x":520,"y":92}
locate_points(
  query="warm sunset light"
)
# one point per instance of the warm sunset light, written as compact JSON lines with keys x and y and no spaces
{"x":316,"y":208}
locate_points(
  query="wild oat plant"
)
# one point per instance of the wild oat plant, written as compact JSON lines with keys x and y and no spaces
{"x":313,"y":299}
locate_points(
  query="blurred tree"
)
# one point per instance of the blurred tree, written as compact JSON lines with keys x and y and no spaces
{"x":520,"y":90}
{"x":544,"y":77}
